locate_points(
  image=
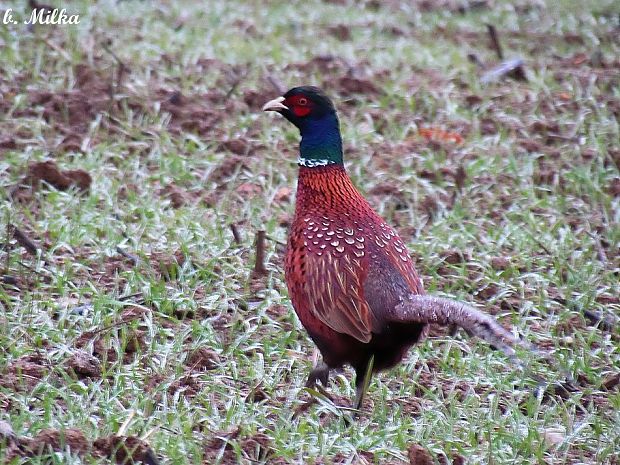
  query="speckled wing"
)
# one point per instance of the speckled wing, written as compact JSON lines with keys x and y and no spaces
{"x":334,"y":290}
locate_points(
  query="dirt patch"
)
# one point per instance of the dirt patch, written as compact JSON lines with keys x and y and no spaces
{"x":168,"y":266}
{"x":419,"y":455}
{"x":340,"y":31}
{"x":130,"y":340}
{"x":283,"y":195}
{"x":390,"y":193}
{"x":323,"y":64}
{"x":135,"y":342}
{"x":255,"y":447}
{"x":8,"y":143}
{"x":500,"y":263}
{"x":349,"y":79}
{"x":360,"y":457}
{"x":99,"y":349}
{"x":25,"y":372}
{"x":50,"y":173}
{"x":278,"y":312}
{"x":614,"y":187}
{"x":188,"y":385}
{"x":248,"y":190}
{"x":84,"y":366}
{"x":125,"y":450}
{"x":69,"y":113}
{"x":487,"y":292}
{"x":133,"y":312}
{"x":611,"y":381}
{"x":100,"y":95}
{"x":455,"y":256}
{"x":236,"y":146}
{"x":178,"y":197}
{"x":349,"y":85}
{"x":229,"y":166}
{"x":194,"y":113}
{"x":203,"y":359}
{"x":48,"y":440}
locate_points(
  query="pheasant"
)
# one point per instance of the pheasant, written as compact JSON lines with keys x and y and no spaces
{"x":350,"y":278}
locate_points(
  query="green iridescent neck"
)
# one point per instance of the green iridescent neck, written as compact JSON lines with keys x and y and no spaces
{"x":321,"y":143}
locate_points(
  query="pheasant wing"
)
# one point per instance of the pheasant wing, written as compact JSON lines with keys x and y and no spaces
{"x":334,"y":288}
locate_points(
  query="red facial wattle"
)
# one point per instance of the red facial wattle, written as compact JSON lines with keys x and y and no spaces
{"x":301,"y":111}
{"x":299,"y":105}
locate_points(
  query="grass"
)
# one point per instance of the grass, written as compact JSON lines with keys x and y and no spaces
{"x":531,"y":234}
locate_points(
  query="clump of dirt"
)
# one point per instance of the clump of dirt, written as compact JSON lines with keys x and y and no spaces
{"x":548,"y":174}
{"x":248,"y":190}
{"x":277,"y":311}
{"x":340,"y":31}
{"x":84,"y":366}
{"x":178,"y":197}
{"x":256,"y":395}
{"x":349,"y":85}
{"x":8,"y":143}
{"x":133,"y":312}
{"x":99,"y":349}
{"x":228,"y":167}
{"x":391,"y":192}
{"x":323,"y":64}
{"x":192,"y":114}
{"x":168,"y":266}
{"x":236,"y":146}
{"x":188,"y":385}
{"x":50,"y":173}
{"x":46,"y":441}
{"x":419,"y":455}
{"x":487,"y":292}
{"x":451,"y":6}
{"x":57,"y":440}
{"x":361,"y":457}
{"x":125,"y":450}
{"x":135,"y":342}
{"x":70,"y":112}
{"x":25,"y":372}
{"x":500,"y":263}
{"x":256,"y":447}
{"x":455,"y":256}
{"x":132,"y":341}
{"x":283,"y":195}
{"x":614,"y":187}
{"x":611,"y":381}
{"x":340,"y":75}
{"x":246,"y":27}
{"x":431,"y":206}
{"x":203,"y":359}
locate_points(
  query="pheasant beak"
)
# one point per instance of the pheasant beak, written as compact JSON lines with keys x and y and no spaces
{"x":275,"y":105}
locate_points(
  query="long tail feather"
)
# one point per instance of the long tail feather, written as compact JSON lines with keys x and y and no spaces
{"x":438,"y":310}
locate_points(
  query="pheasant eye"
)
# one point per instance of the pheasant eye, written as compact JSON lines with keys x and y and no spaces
{"x":301,"y":106}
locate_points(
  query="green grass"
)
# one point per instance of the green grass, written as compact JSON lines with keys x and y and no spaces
{"x":548,"y":204}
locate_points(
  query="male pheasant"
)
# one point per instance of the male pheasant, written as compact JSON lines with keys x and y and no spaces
{"x":350,"y":277}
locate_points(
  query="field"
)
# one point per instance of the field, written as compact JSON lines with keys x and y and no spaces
{"x":132,"y":145}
